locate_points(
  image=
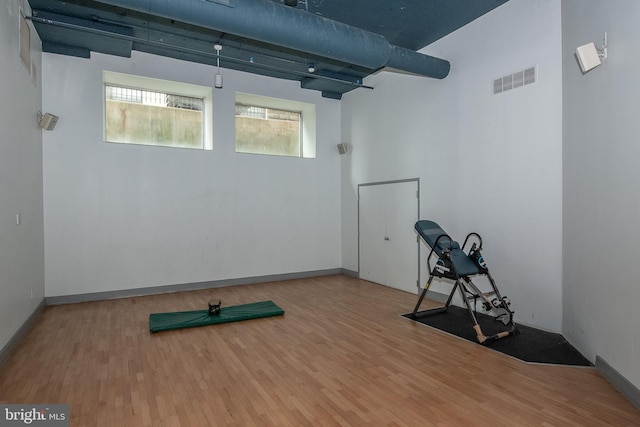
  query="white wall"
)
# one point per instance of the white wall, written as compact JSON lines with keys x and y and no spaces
{"x":21,"y":246}
{"x":601,"y":191}
{"x":124,"y":217}
{"x":488,"y":163}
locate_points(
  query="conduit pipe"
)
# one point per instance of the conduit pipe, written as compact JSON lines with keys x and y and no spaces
{"x":274,"y":23}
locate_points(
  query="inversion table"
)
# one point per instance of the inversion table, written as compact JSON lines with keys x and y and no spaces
{"x":459,"y":266}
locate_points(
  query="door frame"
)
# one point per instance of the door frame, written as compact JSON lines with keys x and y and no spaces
{"x":395,"y":181}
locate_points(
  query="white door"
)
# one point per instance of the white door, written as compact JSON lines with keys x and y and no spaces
{"x":373,"y":231}
{"x":388,"y":244}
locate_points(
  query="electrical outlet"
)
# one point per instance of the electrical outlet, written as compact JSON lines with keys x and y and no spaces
{"x":17,"y":219}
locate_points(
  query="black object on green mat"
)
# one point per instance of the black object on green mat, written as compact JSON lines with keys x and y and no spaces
{"x":189,"y":319}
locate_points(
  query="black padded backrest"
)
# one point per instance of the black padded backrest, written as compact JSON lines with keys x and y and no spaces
{"x":430,"y":231}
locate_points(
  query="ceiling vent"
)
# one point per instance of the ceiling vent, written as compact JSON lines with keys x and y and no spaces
{"x":515,"y":80}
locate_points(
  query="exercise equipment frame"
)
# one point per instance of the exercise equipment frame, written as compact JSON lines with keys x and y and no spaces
{"x":459,"y":266}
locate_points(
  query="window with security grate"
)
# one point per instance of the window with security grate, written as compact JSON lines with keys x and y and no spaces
{"x":150,"y":114}
{"x":276,"y":127}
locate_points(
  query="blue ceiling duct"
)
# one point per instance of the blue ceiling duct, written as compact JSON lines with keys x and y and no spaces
{"x":291,"y":28}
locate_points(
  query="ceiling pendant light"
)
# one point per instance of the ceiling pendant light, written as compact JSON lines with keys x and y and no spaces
{"x":217,"y":81}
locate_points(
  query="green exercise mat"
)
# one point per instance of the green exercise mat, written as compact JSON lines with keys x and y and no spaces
{"x":189,"y":319}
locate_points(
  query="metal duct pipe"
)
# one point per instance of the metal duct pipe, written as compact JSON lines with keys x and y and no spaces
{"x":407,"y":60}
{"x":274,"y":23}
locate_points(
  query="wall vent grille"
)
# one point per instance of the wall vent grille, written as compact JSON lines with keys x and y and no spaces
{"x":515,"y":80}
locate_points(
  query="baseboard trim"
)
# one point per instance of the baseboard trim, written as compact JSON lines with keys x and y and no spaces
{"x":623,"y":385}
{"x":154,"y":290}
{"x":349,"y":273}
{"x":21,"y":332}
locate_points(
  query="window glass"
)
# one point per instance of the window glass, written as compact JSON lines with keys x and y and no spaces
{"x":148,"y":115}
{"x":274,"y":126}
{"x":262,"y":130}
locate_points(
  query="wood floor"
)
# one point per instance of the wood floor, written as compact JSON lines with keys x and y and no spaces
{"x":341,"y":355}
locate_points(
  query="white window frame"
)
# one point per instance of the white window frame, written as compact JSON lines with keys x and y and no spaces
{"x":167,"y":86}
{"x":307,"y":122}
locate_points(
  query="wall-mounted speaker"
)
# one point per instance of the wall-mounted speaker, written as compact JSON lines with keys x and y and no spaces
{"x":47,"y":121}
{"x":588,"y":57}
{"x":342,"y":148}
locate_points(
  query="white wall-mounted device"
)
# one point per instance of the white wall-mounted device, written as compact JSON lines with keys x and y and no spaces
{"x":47,"y":121}
{"x":589,"y":56}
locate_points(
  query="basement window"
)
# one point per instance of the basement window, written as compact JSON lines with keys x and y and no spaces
{"x":276,"y":127}
{"x":144,"y":111}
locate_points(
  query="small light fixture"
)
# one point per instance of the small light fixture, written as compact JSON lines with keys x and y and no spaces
{"x":47,"y":121}
{"x":589,"y":56}
{"x":311,"y":69}
{"x":217,"y":80}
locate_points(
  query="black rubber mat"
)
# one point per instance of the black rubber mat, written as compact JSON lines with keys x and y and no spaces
{"x":530,"y":344}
